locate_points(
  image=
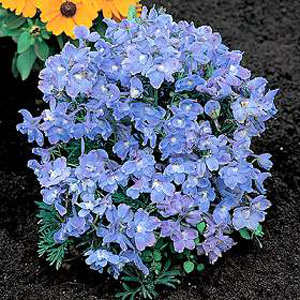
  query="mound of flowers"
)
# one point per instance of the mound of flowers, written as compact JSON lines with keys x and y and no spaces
{"x":144,"y":152}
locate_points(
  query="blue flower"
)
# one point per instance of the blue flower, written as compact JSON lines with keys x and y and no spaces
{"x":68,"y":71}
{"x":96,"y":124}
{"x":141,"y":229}
{"x":75,"y":226}
{"x":217,"y":87}
{"x":91,"y":205}
{"x":141,"y":166}
{"x":91,"y":165}
{"x":126,"y":147}
{"x":259,"y":181}
{"x":184,"y":239}
{"x":132,"y":256}
{"x":163,"y":69}
{"x":53,"y":196}
{"x":188,"y":108}
{"x":115,"y":232}
{"x":176,"y":171}
{"x":213,"y":109}
{"x":51,"y":173}
{"x":140,"y":186}
{"x":214,"y":151}
{"x":161,"y":187}
{"x":101,"y":258}
{"x":57,"y":124}
{"x":30,"y":126}
{"x":176,"y":204}
{"x":215,"y":245}
{"x":109,"y":181}
{"x":81,"y":32}
{"x":250,"y":216}
{"x":221,"y":213}
{"x":136,"y":88}
{"x":137,"y":60}
{"x":169,"y":228}
{"x":264,"y":161}
{"x":238,"y":174}
{"x":188,"y":83}
{"x":171,"y":145}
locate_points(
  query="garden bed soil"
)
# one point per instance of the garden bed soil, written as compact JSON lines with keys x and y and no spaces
{"x":268,"y":33}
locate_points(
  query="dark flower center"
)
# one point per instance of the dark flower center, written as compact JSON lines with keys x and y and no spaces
{"x":68,"y":9}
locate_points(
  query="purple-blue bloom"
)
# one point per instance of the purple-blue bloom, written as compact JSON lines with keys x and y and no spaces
{"x":30,"y":126}
{"x":141,"y":229}
{"x":188,"y":83}
{"x":251,"y":216}
{"x":184,"y":239}
{"x":115,"y":232}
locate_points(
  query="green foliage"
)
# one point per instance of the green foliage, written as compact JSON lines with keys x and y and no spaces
{"x":132,"y":13}
{"x":100,"y":27}
{"x":49,"y":224}
{"x":250,"y":235}
{"x":191,"y":263}
{"x":25,"y":62}
{"x":41,"y":50}
{"x":245,"y":234}
{"x":201,"y":227}
{"x":137,"y":285}
{"x":259,"y":231}
{"x":200,"y":267}
{"x":188,"y":266}
{"x":141,"y":202}
{"x":11,"y":21}
{"x":24,"y":41}
{"x":30,"y":36}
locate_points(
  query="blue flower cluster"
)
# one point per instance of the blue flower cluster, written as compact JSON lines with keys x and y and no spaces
{"x":161,"y":113}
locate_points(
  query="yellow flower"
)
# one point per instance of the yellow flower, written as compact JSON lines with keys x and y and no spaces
{"x":116,"y":9}
{"x":63,"y":16}
{"x":25,"y":7}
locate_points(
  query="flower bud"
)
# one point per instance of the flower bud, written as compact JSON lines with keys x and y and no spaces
{"x":212,"y":109}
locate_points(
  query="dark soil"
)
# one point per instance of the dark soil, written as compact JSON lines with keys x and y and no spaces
{"x":268,"y":32}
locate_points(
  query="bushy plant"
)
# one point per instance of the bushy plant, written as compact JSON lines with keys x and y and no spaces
{"x":145,"y":162}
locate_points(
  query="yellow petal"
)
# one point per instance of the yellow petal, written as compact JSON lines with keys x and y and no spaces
{"x":55,"y":25}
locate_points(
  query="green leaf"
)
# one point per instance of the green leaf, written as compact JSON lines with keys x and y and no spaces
{"x":201,"y":227}
{"x":157,"y":255}
{"x":41,"y":50}
{"x":259,"y":231}
{"x":188,"y":266}
{"x":13,"y":21}
{"x":4,"y":31}
{"x":61,"y":41}
{"x":147,"y":256}
{"x":25,"y":62}
{"x":197,"y":241}
{"x":132,"y":279}
{"x":100,"y":27}
{"x":45,"y":35}
{"x":245,"y":234}
{"x":24,"y":41}
{"x":200,"y":267}
{"x":14,"y":66}
{"x":158,"y":267}
{"x":3,"y":12}
{"x":132,"y":13}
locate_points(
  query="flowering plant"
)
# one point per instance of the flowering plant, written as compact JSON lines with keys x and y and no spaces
{"x":42,"y":27}
{"x":145,"y":160}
